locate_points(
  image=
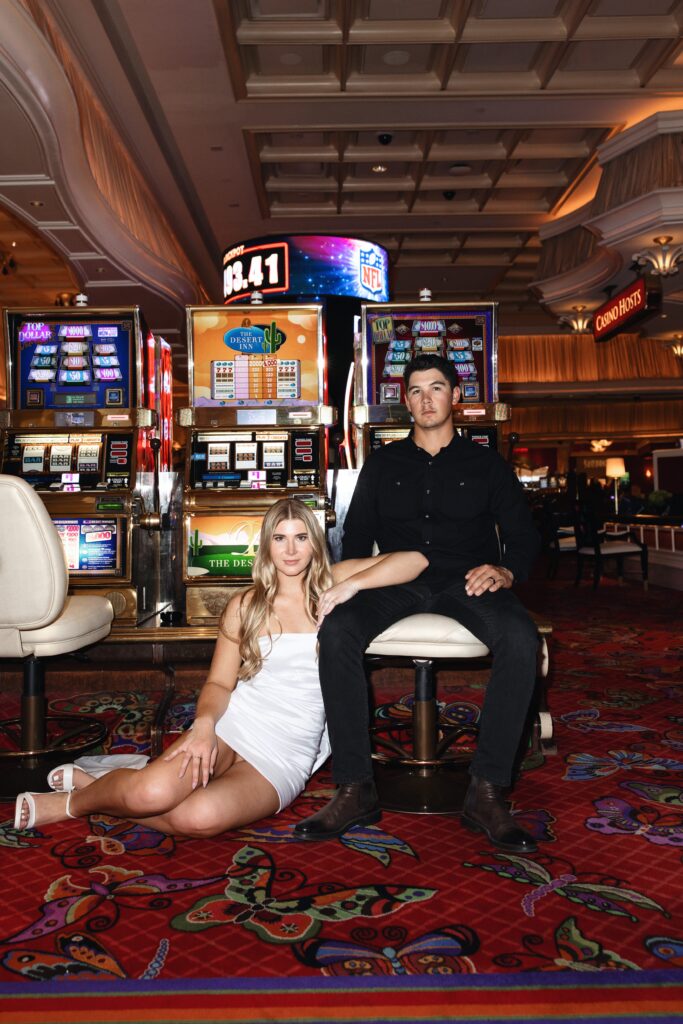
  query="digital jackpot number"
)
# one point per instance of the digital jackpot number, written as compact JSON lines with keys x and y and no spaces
{"x":260,"y":268}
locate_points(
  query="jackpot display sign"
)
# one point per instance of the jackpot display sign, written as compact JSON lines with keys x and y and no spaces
{"x":463,"y":334}
{"x":266,"y":356}
{"x":80,"y":364}
{"x":313,"y":265}
{"x":91,"y":546}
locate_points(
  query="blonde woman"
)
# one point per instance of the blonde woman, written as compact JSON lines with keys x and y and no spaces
{"x":259,"y":731}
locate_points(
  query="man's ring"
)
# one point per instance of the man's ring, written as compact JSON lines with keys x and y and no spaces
{"x":493,"y":579}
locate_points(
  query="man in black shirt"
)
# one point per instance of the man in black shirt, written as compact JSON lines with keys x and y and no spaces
{"x":464,"y":509}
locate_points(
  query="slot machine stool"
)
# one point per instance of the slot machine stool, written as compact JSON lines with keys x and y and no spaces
{"x":37,"y":621}
{"x":426,"y":776}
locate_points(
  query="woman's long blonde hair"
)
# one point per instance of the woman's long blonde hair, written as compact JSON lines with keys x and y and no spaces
{"x":257,"y":612}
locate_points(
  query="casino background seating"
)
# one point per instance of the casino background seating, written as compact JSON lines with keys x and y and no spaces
{"x":38,"y":620}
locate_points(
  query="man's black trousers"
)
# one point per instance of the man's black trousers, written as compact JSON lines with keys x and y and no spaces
{"x":497,"y":619}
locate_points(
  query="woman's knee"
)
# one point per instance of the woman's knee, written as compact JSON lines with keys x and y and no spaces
{"x":146,"y":794}
{"x":197,"y":818}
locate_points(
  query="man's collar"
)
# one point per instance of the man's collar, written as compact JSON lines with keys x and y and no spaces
{"x":453,"y":442}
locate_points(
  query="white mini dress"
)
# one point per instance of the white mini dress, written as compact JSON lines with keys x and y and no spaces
{"x":276,"y":719}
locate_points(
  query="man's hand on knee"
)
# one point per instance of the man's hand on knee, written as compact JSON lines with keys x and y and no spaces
{"x":487,"y":577}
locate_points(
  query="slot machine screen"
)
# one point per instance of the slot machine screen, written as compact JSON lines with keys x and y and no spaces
{"x":260,"y":357}
{"x":92,"y":546}
{"x":222,"y":545}
{"x":465,"y":335}
{"x":72,"y":364}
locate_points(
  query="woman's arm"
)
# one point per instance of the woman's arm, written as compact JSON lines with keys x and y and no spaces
{"x":357,"y":574}
{"x":200,"y":746}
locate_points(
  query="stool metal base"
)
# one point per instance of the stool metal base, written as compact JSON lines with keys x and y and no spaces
{"x":421,"y":789}
{"x":27,"y":769}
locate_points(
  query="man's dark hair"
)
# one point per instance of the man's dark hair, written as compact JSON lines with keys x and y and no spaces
{"x":431,"y":362}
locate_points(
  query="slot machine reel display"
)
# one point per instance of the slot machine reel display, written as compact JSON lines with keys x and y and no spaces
{"x":87,"y":412}
{"x":256,"y":433}
{"x":391,"y":335}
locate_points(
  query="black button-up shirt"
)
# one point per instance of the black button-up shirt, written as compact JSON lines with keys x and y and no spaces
{"x":461,"y":508}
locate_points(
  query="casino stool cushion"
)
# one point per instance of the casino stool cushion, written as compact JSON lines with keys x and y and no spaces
{"x":38,"y":620}
{"x":428,"y":777}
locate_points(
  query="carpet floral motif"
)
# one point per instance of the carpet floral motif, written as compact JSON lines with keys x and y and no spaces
{"x":413,"y":894}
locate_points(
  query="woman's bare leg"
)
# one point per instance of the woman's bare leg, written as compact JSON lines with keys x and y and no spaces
{"x":156,"y":796}
{"x":127,"y":792}
{"x":238,"y":797}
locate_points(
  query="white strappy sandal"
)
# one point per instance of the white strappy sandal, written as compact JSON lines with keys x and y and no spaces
{"x":95,"y":765}
{"x":67,"y":771}
{"x":27,"y":798}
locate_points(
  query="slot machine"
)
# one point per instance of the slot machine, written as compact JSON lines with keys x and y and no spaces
{"x":89,"y":426}
{"x":393,"y":333}
{"x":256,"y":432}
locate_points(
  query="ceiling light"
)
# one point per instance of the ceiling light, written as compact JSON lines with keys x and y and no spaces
{"x":396,"y":58}
{"x":578,"y":320}
{"x":662,"y":261}
{"x":36,"y":202}
{"x":600,"y":445}
{"x":677,"y":345}
{"x":456,"y":169}
{"x":379,"y":168}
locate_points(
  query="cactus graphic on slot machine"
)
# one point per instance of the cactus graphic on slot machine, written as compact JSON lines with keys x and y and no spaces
{"x":229,"y":554}
{"x":196,"y":546}
{"x":273,"y":338}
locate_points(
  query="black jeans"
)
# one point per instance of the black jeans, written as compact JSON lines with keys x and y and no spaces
{"x":499,"y":620}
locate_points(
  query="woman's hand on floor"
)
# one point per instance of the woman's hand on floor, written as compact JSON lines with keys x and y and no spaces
{"x":198,"y":749}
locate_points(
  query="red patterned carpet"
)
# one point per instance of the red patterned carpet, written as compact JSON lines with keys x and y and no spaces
{"x":415,"y":895}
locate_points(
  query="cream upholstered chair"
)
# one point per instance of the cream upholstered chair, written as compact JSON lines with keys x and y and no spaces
{"x":38,"y":620}
{"x":425,"y":777}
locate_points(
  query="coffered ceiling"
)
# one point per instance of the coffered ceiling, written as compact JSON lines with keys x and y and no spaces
{"x":449,"y":131}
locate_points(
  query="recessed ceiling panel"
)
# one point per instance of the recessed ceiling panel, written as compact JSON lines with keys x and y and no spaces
{"x":403,"y":10}
{"x":287,"y":9}
{"x":520,"y":9}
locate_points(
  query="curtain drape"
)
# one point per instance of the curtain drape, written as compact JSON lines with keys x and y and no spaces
{"x":576,"y":357}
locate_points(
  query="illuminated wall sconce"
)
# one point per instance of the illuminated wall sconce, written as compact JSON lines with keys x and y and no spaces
{"x":676,"y":345}
{"x":662,"y":261}
{"x":578,"y":320}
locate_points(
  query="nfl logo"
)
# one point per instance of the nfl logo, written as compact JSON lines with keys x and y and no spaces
{"x":371,"y":266}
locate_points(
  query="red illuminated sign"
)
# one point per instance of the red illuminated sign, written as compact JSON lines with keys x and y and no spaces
{"x":629,"y":305}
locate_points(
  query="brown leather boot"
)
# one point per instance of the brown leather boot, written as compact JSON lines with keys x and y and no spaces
{"x":355,"y":803}
{"x":485,"y":810}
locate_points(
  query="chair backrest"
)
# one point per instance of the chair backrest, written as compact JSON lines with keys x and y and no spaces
{"x":589,"y":527}
{"x":33,"y":575}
